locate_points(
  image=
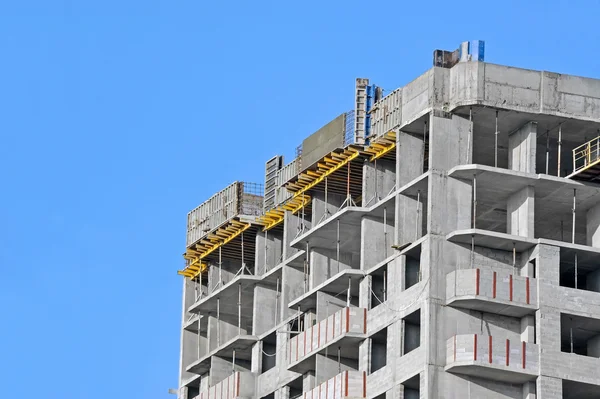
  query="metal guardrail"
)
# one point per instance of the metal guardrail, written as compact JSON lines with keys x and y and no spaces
{"x":586,"y":155}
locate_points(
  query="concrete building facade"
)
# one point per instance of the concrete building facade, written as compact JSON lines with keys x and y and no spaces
{"x":455,"y":253}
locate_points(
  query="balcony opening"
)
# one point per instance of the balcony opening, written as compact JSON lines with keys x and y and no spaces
{"x":580,"y":270}
{"x":579,"y":390}
{"x":296,"y":388}
{"x":379,"y":350}
{"x":580,"y":335}
{"x":193,"y":392}
{"x":269,"y":396}
{"x":412,"y":331}
{"x":378,"y":287}
{"x":413,"y":270}
{"x":412,"y":388}
{"x":269,"y":352}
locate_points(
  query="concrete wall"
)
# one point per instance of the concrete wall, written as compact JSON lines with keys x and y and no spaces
{"x":323,"y":141}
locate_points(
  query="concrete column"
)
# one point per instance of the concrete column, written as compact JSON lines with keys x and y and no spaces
{"x":292,"y":225}
{"x":282,"y":393}
{"x":320,"y":207}
{"x":522,"y":148}
{"x":528,"y":328}
{"x":529,"y":390}
{"x":364,"y":297}
{"x":376,"y":240}
{"x":448,"y":142}
{"x":292,"y":287}
{"x":520,"y":209}
{"x":265,"y":300}
{"x":328,"y":304}
{"x":409,"y":227}
{"x":593,"y":346}
{"x":379,"y":177}
{"x":308,"y":381}
{"x":548,"y":265}
{"x":257,"y":358}
{"x":449,"y":205}
{"x":409,"y":158}
{"x":365,"y":356}
{"x":396,"y":277}
{"x":593,"y":226}
{"x":397,"y":392}
{"x":327,"y":367}
{"x":549,"y":387}
{"x":324,"y":265}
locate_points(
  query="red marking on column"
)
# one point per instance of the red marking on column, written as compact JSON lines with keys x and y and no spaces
{"x":304,"y":395}
{"x":347,"y":319}
{"x":507,"y":352}
{"x":490,"y":348}
{"x":238,"y":384}
{"x":494,"y":286}
{"x":346,"y":383}
{"x":477,"y":276}
{"x":455,"y":348}
{"x":365,"y":321}
{"x":527,"y":289}
{"x":510,"y":283}
{"x":523,"y":353}
{"x":364,"y":384}
{"x":475,"y":347}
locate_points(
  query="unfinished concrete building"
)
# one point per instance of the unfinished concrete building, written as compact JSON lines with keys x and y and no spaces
{"x":438,"y":241}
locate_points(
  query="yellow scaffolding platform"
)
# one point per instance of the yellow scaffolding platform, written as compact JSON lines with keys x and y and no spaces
{"x":208,"y":245}
{"x":274,"y":217}
{"x":380,"y":146}
{"x":328,"y":165}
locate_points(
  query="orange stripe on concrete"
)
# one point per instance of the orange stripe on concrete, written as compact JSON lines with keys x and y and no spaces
{"x":347,"y":319}
{"x":523,"y":351}
{"x":507,"y":352}
{"x":510,"y":282}
{"x":475,"y":347}
{"x":490,"y":349}
{"x":477,"y":277}
{"x":364,"y":384}
{"x":365,"y":321}
{"x":527,"y":289}
{"x":346,"y":383}
{"x":494,"y":286}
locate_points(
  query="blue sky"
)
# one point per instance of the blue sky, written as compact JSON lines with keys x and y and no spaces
{"x":117,"y":117}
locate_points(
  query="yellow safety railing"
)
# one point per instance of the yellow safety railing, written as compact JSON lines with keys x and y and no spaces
{"x":586,"y":155}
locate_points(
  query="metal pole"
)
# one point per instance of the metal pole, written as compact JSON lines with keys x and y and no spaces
{"x":233,"y":364}
{"x":326,"y":204}
{"x":472,"y":250}
{"x":337,"y":246}
{"x":469,"y":139}
{"x":418,"y":215}
{"x":376,"y":193}
{"x":339,"y":359}
{"x":240,"y":309}
{"x":574,"y":212}
{"x":385,"y":244}
{"x":298,"y":318}
{"x":496,"y":142}
{"x":218,"y":322}
{"x":575,"y":270}
{"x":306,"y":266}
{"x":220,"y":267}
{"x":424,"y":142}
{"x":243,"y":264}
{"x":348,"y":295}
{"x":266,"y":238}
{"x":384,"y":285}
{"x":547,"y":150}
{"x":198,"y":336}
{"x":276,"y":301}
{"x":514,"y":258}
{"x":559,"y":147}
{"x":571,"y":335}
{"x":474,"y":199}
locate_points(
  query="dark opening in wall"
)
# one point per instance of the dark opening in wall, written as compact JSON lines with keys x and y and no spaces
{"x":379,"y":350}
{"x":580,"y":269}
{"x":580,"y":335}
{"x":412,"y":388}
{"x":269,"y":352}
{"x":413,"y":270}
{"x":378,"y":287}
{"x":412,"y":331}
